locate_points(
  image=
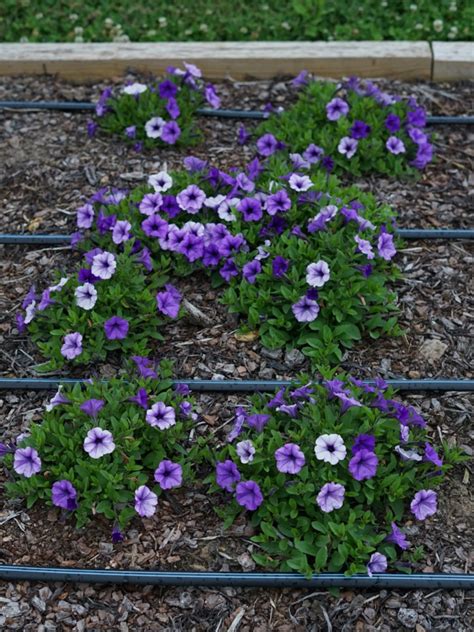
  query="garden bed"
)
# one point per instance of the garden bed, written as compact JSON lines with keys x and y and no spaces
{"x":48,"y":165}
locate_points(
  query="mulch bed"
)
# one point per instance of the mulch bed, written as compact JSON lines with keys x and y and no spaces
{"x":47,"y":167}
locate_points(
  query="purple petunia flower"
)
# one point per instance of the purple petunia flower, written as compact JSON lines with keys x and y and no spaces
{"x":327,"y":163}
{"x":398,"y":537}
{"x":363,"y":464}
{"x":280,"y":266}
{"x":131,"y":131}
{"x":424,"y":504}
{"x":336,"y":108}
{"x":289,"y":458}
{"x":385,"y":245}
{"x":305,"y":310}
{"x":267,"y":145}
{"x":26,"y":461}
{"x":432,"y":455}
{"x":72,"y":345}
{"x":424,"y":155}
{"x":161,"y":416}
{"x":92,"y":407}
{"x":366,"y":270}
{"x":250,"y":270}
{"x":258,"y":421}
{"x":194,"y":164}
{"x":364,"y":442}
{"x":377,"y":564}
{"x":360,"y":130}
{"x":211,"y":96}
{"x":289,"y":409}
{"x":169,"y":301}
{"x":133,"y":89}
{"x":191,"y":199}
{"x":172,"y":108}
{"x":395,"y":145}
{"x":192,"y":247}
{"x":167,"y":89}
{"x":228,"y":270}
{"x":57,"y":400}
{"x":248,"y":495}
{"x":141,"y":398}
{"x":245,"y":451}
{"x":144,"y":366}
{"x":300,"y":80}
{"x":347,"y":146}
{"x":64,"y":495}
{"x":85,"y":216}
{"x":169,"y":474}
{"x":103,"y":265}
{"x":251,"y":209}
{"x":278,"y":202}
{"x":144,"y":258}
{"x":313,"y":153}
{"x":417,"y":117}
{"x":317,"y":274}
{"x":417,"y":136}
{"x":92,"y":128}
{"x":392,"y":123}
{"x":161,"y":181}
{"x":364,"y":246}
{"x":227,"y":475}
{"x":117,"y":535}
{"x":330,"y":448}
{"x":145,"y":501}
{"x":98,"y":442}
{"x":151,"y":203}
{"x":116,"y":328}
{"x":330,"y":497}
{"x":45,"y":301}
{"x":170,"y":133}
{"x":155,"y":226}
{"x":243,"y":135}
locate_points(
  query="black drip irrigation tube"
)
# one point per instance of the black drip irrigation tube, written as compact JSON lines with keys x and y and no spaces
{"x":404,"y":233}
{"x":241,"y":580}
{"x":238,"y":386}
{"x":77,"y":106}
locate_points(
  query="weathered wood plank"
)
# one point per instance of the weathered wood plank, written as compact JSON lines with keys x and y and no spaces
{"x":240,"y":60}
{"x":453,"y":61}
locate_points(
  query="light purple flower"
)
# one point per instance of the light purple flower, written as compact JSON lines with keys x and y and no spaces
{"x":267,"y":145}
{"x":245,"y":451}
{"x":169,"y":474}
{"x":250,"y":270}
{"x":86,"y":296}
{"x":26,"y":462}
{"x":305,"y":310}
{"x":161,"y":416}
{"x":330,"y":448}
{"x":392,"y":123}
{"x":151,"y":203}
{"x":313,"y":153}
{"x":251,"y":209}
{"x":248,"y":495}
{"x":363,"y":464}
{"x":258,"y":421}
{"x":134,"y":89}
{"x":131,"y":131}
{"x":154,"y":127}
{"x":424,"y":504}
{"x":432,"y":455}
{"x":64,"y":495}
{"x":145,"y":501}
{"x":227,"y":475}
{"x":336,"y":108}
{"x":317,"y":274}
{"x":289,"y":458}
{"x":161,"y":181}
{"x":395,"y":145}
{"x":168,"y":302}
{"x":103,"y":265}
{"x":172,"y":108}
{"x":385,"y":246}
{"x":98,"y":442}
{"x":364,"y":441}
{"x":299,"y":183}
{"x":330,"y":497}
{"x":278,"y":202}
{"x":170,"y":132}
{"x":377,"y":564}
{"x":92,"y":407}
{"x":364,"y":247}
{"x":211,"y":96}
{"x":398,"y":537}
{"x":121,"y":231}
{"x":280,"y":267}
{"x":85,"y":216}
{"x":57,"y":400}
{"x":72,"y":345}
{"x":116,"y":328}
{"x":191,"y":199}
{"x":347,"y":146}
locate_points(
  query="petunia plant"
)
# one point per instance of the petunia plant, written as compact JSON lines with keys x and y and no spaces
{"x":156,"y":115}
{"x":352,"y":127}
{"x":110,"y":304}
{"x":328,"y":473}
{"x":107,"y":448}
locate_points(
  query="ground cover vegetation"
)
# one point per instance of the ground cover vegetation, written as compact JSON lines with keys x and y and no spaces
{"x":50,"y":20}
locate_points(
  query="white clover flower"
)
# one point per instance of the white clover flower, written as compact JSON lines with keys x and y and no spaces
{"x":79,"y":39}
{"x":438,"y":25}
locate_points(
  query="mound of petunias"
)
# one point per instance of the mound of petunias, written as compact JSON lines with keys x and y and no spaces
{"x":97,"y":451}
{"x":329,"y":474}
{"x":110,"y":304}
{"x":161,"y":113}
{"x":321,"y":283}
{"x":350,"y":127}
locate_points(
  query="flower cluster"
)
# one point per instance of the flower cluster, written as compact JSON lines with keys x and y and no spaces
{"x":101,"y":450}
{"x":158,"y":114}
{"x":330,"y":471}
{"x":352,"y":127}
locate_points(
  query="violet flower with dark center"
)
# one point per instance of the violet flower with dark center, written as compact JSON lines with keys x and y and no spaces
{"x":245,"y":451}
{"x":392,"y":123}
{"x":366,"y":270}
{"x":154,"y":127}
{"x":251,"y":209}
{"x":267,"y":145}
{"x":85,"y":216}
{"x":305,"y":310}
{"x":172,"y":108}
{"x":336,"y":108}
{"x":141,"y":398}
{"x":278,"y":202}
{"x":377,"y":564}
{"x":363,"y":464}
{"x":327,"y":163}
{"x":395,"y":145}
{"x":299,"y":183}
{"x":191,"y":199}
{"x":72,"y":345}
{"x":364,"y":441}
{"x":248,"y":495}
{"x":169,"y":474}
{"x":26,"y":462}
{"x":144,"y":258}
{"x":289,"y":459}
{"x":317,"y":274}
{"x":385,"y":246}
{"x":117,"y":535}
{"x":280,"y":267}
{"x":347,"y":146}
{"x":258,"y":421}
{"x":144,"y":366}
{"x":313,"y":153}
{"x":98,"y":442}
{"x":432,"y":455}
{"x":168,"y":302}
{"x":161,"y":416}
{"x":192,"y":247}
{"x":250,"y":270}
{"x":155,"y":226}
{"x":229,"y":270}
{"x":170,"y":133}
{"x":243,"y":136}
{"x":92,"y":407}
{"x":330,"y":448}
{"x":360,"y":130}
{"x":330,"y":497}
{"x":170,"y":206}
{"x":64,"y":495}
{"x":86,"y":296}
{"x":167,"y":89}
{"x":194,"y":164}
{"x":116,"y":328}
{"x":151,"y":203}
{"x":424,"y":504}
{"x":398,"y":537}
{"x":417,"y":117}
{"x":227,"y":475}
{"x":161,"y":181}
{"x":145,"y":501}
{"x":103,"y":265}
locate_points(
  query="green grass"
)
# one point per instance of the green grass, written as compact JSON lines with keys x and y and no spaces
{"x":226,"y":20}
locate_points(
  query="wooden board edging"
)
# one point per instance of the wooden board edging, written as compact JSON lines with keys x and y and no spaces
{"x":453,"y":61}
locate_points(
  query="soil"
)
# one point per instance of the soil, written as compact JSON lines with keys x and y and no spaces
{"x":47,"y":167}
